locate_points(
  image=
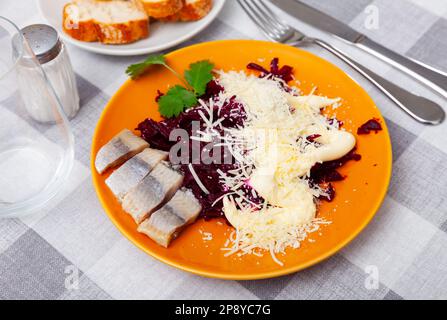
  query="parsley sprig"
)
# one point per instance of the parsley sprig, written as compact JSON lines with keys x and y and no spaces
{"x":178,"y":98}
{"x":175,"y":101}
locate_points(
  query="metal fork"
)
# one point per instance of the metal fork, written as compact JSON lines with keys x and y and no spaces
{"x":419,"y":108}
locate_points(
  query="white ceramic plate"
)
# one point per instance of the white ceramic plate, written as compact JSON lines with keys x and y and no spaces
{"x":162,"y":35}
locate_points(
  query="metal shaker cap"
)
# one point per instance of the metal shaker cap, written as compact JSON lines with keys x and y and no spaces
{"x":43,"y":40}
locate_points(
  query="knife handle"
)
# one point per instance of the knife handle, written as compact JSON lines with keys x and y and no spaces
{"x":434,"y":79}
{"x":419,"y":108}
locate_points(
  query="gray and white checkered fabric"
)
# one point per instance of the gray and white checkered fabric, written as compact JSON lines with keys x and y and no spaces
{"x":406,"y":242}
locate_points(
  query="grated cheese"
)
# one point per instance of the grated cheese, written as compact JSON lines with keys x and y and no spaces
{"x":274,"y":158}
{"x":196,"y":177}
{"x":206,"y":236}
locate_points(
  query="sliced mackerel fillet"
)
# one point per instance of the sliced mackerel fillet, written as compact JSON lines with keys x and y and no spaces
{"x":122,"y":147}
{"x":133,"y":171}
{"x":165,"y":224}
{"x":152,"y":192}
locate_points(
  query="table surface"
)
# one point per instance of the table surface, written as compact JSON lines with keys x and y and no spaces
{"x":70,"y":250}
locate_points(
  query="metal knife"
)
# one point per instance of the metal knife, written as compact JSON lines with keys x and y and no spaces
{"x":435,"y":79}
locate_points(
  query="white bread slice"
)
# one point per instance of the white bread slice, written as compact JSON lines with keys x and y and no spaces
{"x":78,"y":23}
{"x":162,"y":8}
{"x":111,"y":22}
{"x":192,"y":10}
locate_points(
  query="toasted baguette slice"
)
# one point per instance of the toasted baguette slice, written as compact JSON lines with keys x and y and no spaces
{"x":111,"y":22}
{"x":192,"y":10}
{"x":78,"y":23}
{"x":162,"y":8}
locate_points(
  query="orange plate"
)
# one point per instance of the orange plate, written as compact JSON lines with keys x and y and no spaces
{"x":358,"y":196}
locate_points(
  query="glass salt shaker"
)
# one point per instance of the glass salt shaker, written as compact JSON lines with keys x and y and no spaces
{"x":52,"y":55}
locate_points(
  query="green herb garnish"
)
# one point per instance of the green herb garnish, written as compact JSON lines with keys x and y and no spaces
{"x":178,"y":98}
{"x":199,"y":75}
{"x":138,"y":69}
{"x":175,"y":101}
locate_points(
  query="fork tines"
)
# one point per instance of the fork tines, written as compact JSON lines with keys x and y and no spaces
{"x":266,"y":20}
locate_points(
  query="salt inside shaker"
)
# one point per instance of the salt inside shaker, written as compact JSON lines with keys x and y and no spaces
{"x":52,"y":55}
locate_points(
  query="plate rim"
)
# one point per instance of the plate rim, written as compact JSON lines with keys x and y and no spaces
{"x":115,"y":50}
{"x":262,"y":275}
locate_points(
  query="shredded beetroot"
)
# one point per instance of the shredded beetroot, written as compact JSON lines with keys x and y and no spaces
{"x":312,"y":137}
{"x":212,"y":90}
{"x":333,"y":121}
{"x":330,"y":192}
{"x":324,"y":173}
{"x":159,"y":95}
{"x":327,"y":171}
{"x":157,"y":134}
{"x":369,"y":126}
{"x":210,"y":179}
{"x":285,"y":72}
{"x":257,"y":67}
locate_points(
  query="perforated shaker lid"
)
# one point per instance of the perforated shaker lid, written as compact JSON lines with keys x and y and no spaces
{"x":43,"y":40}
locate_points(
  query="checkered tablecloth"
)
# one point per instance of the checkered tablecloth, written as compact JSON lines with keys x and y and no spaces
{"x":405,"y":245}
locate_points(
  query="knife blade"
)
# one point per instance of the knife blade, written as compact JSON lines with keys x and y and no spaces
{"x":319,"y":19}
{"x":431,"y":77}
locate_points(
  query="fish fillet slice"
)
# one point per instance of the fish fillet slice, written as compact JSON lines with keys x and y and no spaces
{"x":152,"y":192}
{"x":165,"y":224}
{"x":122,"y":147}
{"x":133,"y":171}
